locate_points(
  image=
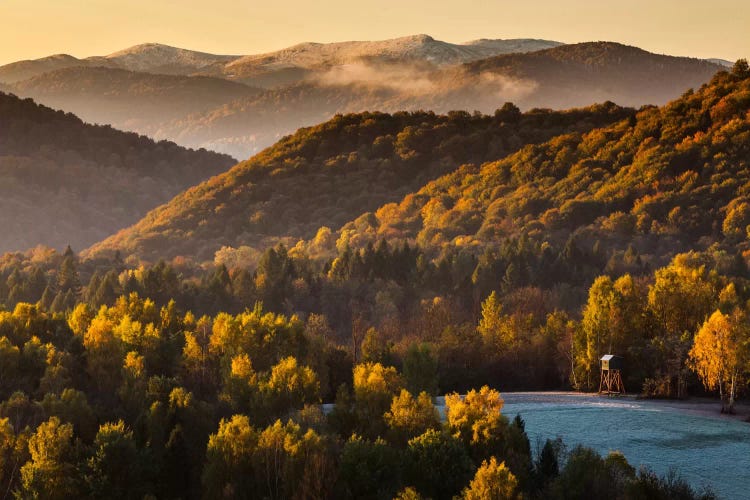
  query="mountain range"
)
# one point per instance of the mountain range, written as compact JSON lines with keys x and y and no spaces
{"x":558,"y":78}
{"x":163,"y":59}
{"x":147,"y":57}
{"x":295,"y":63}
{"x":241,"y":104}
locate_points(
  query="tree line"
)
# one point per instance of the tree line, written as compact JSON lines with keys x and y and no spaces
{"x":138,"y":401}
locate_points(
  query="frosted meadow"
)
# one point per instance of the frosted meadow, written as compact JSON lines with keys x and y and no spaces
{"x":693,"y":439}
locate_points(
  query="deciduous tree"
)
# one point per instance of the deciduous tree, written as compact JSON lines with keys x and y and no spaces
{"x":720,"y":353}
{"x":492,"y":481}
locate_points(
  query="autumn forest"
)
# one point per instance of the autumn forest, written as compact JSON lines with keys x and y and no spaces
{"x":339,"y":315}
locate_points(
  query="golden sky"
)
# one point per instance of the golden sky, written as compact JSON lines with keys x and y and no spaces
{"x":35,"y":28}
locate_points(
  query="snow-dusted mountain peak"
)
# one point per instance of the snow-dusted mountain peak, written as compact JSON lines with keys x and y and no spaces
{"x":419,"y":47}
{"x":154,"y":56}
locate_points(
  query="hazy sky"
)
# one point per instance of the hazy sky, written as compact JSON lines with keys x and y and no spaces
{"x":35,"y":28}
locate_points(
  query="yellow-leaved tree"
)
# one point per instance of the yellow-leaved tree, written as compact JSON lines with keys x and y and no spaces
{"x":374,"y":388}
{"x":410,"y":417}
{"x":719,"y":353}
{"x":682,"y":296}
{"x":477,"y":421}
{"x":492,"y":481}
{"x":495,"y":327}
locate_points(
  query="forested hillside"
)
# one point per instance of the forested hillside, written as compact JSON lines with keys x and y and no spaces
{"x":600,"y":185}
{"x":66,"y":182}
{"x":331,"y":173}
{"x":665,"y":180}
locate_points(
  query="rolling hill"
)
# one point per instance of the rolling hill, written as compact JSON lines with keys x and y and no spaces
{"x":576,"y":74}
{"x":63,"y":181}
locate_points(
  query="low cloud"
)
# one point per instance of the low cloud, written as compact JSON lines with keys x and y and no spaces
{"x":506,"y":87}
{"x":420,"y":82}
{"x":397,"y":77}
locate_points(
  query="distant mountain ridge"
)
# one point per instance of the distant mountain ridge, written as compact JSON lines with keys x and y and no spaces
{"x":147,"y":57}
{"x":558,"y":78}
{"x":165,"y":59}
{"x":240,"y":105}
{"x":308,"y":57}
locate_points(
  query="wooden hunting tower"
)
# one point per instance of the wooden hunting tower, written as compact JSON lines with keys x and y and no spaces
{"x":610,"y":381}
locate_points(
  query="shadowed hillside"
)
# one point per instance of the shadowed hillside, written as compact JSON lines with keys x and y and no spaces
{"x":127,"y":99}
{"x":66,"y":182}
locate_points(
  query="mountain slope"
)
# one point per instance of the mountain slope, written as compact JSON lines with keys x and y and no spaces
{"x":670,"y":179}
{"x":330,"y":173}
{"x":66,"y":182}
